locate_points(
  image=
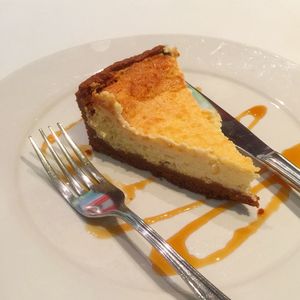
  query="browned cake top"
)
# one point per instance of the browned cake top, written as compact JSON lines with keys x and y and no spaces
{"x":154,"y":99}
{"x":106,"y":76}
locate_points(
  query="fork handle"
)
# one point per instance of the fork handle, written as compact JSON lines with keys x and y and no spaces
{"x":201,"y":287}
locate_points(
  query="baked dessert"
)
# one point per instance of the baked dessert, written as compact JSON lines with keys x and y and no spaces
{"x":140,"y":111}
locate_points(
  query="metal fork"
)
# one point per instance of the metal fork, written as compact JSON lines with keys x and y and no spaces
{"x":92,"y":196}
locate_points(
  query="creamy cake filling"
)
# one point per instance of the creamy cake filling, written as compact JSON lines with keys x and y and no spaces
{"x":110,"y":126}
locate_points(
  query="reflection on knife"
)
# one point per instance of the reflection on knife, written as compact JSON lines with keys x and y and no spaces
{"x":252,"y":145}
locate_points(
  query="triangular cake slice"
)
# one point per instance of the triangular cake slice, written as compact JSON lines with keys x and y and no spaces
{"x":140,"y":111}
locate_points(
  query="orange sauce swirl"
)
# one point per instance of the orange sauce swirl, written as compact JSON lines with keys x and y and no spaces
{"x":239,"y":236}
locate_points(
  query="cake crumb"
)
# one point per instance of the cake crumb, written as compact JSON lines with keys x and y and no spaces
{"x":260,"y":211}
{"x":87,"y":149}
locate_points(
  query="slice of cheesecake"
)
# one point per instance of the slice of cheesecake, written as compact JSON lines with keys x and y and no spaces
{"x":140,"y":111}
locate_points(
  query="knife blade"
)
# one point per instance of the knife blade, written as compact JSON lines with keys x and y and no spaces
{"x":253,"y":146}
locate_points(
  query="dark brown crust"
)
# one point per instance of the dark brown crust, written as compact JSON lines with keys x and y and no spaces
{"x":105,"y":77}
{"x":210,"y":190}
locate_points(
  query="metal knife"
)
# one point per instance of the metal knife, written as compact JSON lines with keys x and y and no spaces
{"x":242,"y":137}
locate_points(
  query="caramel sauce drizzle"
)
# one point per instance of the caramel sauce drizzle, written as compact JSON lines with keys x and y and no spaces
{"x":178,"y":240}
{"x":105,"y":231}
{"x":257,"y":112}
{"x":293,"y":154}
{"x":130,"y":189}
{"x":239,"y":236}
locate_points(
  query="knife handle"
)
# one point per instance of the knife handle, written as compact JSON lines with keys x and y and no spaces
{"x":288,"y":171}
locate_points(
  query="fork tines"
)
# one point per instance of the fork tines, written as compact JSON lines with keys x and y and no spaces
{"x":78,"y":173}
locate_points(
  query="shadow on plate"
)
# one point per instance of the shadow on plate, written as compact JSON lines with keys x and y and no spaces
{"x":142,"y":261}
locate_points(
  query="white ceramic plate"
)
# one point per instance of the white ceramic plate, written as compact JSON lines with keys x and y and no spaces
{"x":46,"y":251}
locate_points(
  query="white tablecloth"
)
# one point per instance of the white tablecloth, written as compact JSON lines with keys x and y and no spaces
{"x":31,"y":29}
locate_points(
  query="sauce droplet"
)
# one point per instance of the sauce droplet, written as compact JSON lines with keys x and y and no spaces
{"x":260,"y":211}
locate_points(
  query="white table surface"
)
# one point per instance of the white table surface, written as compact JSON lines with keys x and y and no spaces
{"x":31,"y":29}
